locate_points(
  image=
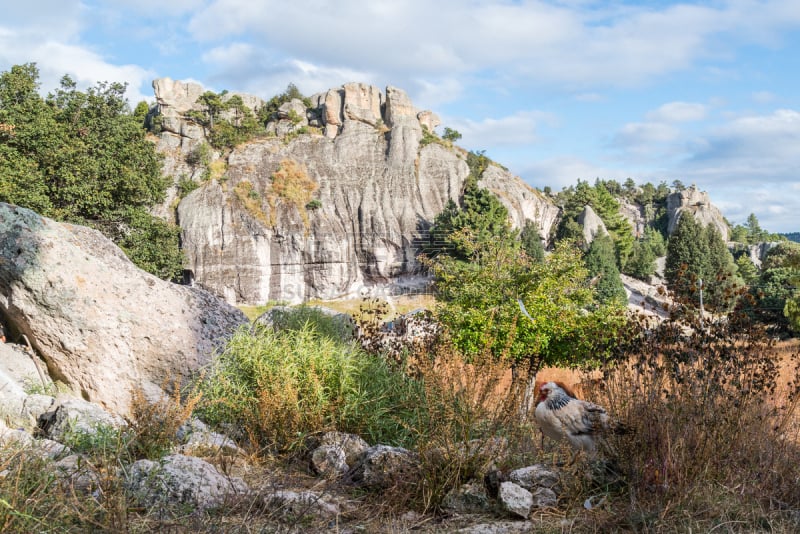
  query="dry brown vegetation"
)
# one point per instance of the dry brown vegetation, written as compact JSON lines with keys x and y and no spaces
{"x":714,"y":443}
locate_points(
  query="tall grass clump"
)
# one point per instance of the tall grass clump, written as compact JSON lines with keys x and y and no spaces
{"x":279,"y":386}
{"x":714,"y":438}
{"x":336,"y":327}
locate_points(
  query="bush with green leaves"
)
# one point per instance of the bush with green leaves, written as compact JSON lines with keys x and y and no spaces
{"x":478,"y":303}
{"x":83,"y":157}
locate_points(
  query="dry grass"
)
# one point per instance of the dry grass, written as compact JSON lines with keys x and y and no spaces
{"x":292,"y":184}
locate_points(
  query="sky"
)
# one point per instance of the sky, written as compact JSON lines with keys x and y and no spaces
{"x":706,"y":93}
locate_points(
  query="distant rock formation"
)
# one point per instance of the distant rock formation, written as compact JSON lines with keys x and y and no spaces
{"x":378,"y":189}
{"x":103,"y":326}
{"x":592,"y":225}
{"x":697,"y":203}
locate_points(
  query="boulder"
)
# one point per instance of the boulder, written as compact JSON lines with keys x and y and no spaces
{"x":103,"y":326}
{"x":592,"y":225}
{"x":178,"y":481}
{"x":76,"y":416}
{"x":515,"y":499}
{"x":382,"y":466}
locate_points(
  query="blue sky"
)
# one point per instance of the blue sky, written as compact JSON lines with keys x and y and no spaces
{"x":560,"y":90}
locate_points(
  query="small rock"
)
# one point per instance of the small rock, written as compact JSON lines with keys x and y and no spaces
{"x":515,"y":499}
{"x":199,"y":440}
{"x":295,"y":505}
{"x":544,"y":498}
{"x":351,"y":444}
{"x":329,"y":461}
{"x":382,"y":466}
{"x":470,"y":498}
{"x":78,"y":474}
{"x":534,"y":476}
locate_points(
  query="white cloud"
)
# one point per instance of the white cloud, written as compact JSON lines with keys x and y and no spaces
{"x":55,"y":59}
{"x":513,"y":130}
{"x":763,"y":97}
{"x":679,"y":112}
{"x":572,"y":44}
{"x":643,"y":135}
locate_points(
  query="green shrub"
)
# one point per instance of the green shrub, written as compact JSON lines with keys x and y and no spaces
{"x":323,"y":324}
{"x":185,"y":186}
{"x":278,"y":387}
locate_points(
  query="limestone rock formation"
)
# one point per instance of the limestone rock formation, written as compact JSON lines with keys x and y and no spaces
{"x":375,"y":190}
{"x":592,"y":225}
{"x":697,"y":203}
{"x":102,"y":325}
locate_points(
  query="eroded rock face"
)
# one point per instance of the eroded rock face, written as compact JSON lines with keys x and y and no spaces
{"x":592,"y":225}
{"x":378,"y":191}
{"x":102,"y":325}
{"x":697,"y":203}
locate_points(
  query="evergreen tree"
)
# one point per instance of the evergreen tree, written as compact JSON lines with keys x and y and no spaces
{"x":601,"y":262}
{"x":696,"y":253}
{"x":481,"y":213}
{"x":746,"y":270}
{"x":686,"y":257}
{"x":642,"y":263}
{"x":720,"y":279}
{"x":531,"y":241}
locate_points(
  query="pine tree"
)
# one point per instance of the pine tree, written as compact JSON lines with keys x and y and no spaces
{"x":601,"y":262}
{"x":686,"y":257}
{"x":531,"y":241}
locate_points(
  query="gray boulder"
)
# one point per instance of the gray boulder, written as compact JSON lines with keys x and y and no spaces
{"x":470,"y":498}
{"x":382,"y":466}
{"x":697,"y":204}
{"x":592,"y":225}
{"x":103,"y":326}
{"x":74,"y":416}
{"x":178,"y":480}
{"x":515,"y":499}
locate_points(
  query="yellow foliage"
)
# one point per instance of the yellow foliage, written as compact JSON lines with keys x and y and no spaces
{"x":292,"y":184}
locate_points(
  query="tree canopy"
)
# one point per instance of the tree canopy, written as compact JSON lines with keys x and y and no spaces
{"x":83,"y":157}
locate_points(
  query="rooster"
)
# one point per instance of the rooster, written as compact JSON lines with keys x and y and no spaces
{"x":582,"y":423}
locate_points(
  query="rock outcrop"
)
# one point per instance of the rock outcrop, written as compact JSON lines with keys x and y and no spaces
{"x":592,"y":225}
{"x":102,"y":326}
{"x":376,"y":190}
{"x":697,"y":203}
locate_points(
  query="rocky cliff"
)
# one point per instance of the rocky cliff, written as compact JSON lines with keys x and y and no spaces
{"x":698,"y":204}
{"x":360,"y":185}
